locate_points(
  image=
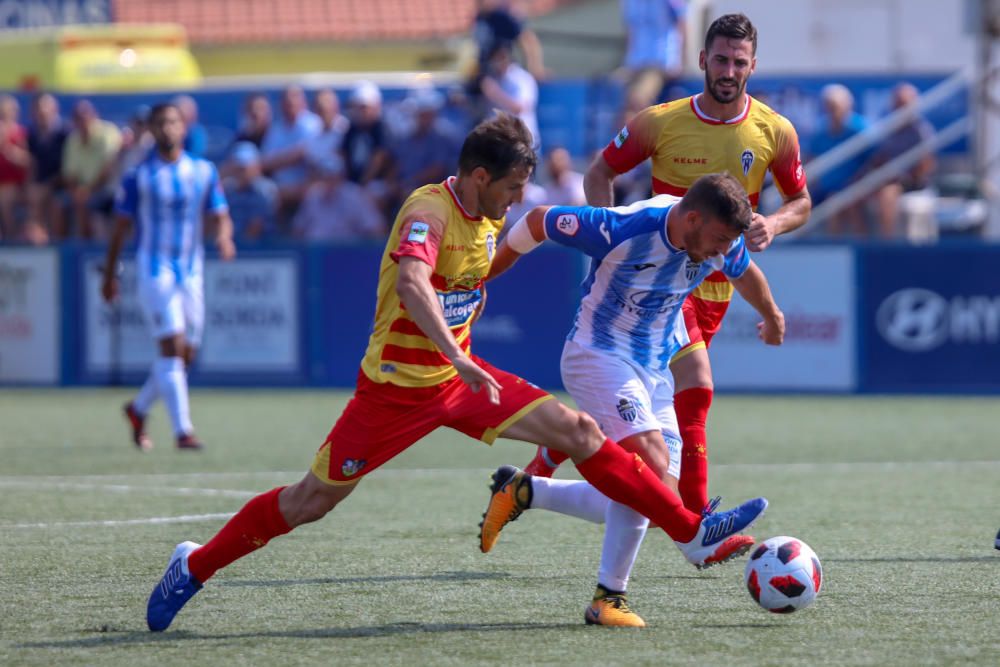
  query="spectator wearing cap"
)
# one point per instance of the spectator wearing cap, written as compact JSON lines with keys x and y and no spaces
{"x":337,"y":210}
{"x":196,"y":141}
{"x":282,"y":151}
{"x":46,"y":140}
{"x":365,"y":148}
{"x":429,"y":152}
{"x":252,"y":197}
{"x":89,"y":161}
{"x":15,"y":161}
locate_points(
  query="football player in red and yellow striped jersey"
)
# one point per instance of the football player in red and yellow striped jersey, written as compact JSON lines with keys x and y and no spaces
{"x":418,"y":375}
{"x":721,"y":129}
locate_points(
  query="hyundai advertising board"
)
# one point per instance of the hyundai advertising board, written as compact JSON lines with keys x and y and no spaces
{"x":930,"y":319}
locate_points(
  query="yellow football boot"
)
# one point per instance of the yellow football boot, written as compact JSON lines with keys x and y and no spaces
{"x":510,"y":495}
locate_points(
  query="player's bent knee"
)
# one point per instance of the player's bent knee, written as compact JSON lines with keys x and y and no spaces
{"x":582,"y":438}
{"x":311,"y":500}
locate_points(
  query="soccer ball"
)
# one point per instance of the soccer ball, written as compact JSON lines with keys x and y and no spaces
{"x":783,"y":575}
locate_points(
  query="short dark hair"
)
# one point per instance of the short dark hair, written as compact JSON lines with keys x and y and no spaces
{"x":722,"y":197}
{"x":498,"y":145}
{"x":732,"y":26}
{"x":158,"y":109}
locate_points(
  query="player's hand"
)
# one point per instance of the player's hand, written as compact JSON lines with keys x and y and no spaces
{"x":761,"y":232}
{"x":109,"y":288}
{"x":477,"y":378}
{"x":227,"y":249}
{"x":772,"y":329}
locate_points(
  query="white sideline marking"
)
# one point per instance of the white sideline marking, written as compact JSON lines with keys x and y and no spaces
{"x":126,"y":488}
{"x":184,"y":518}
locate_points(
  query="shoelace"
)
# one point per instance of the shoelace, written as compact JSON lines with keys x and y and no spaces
{"x":618,"y":602}
{"x":712,"y":505}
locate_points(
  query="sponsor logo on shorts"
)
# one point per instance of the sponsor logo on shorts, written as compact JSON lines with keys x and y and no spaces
{"x":568,"y":224}
{"x":418,"y":232}
{"x":387,"y":368}
{"x":746,"y":159}
{"x":622,"y":136}
{"x":352,"y":467}
{"x":627,"y":410}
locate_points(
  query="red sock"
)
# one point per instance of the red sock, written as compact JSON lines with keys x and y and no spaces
{"x":624,"y":478}
{"x":252,"y":527}
{"x":692,"y":411}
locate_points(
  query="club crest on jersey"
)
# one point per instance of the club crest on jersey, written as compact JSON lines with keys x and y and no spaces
{"x":746,"y":159}
{"x":491,"y":245}
{"x":418,"y":232}
{"x":691,"y":270}
{"x":622,"y":136}
{"x":627,"y":410}
{"x":568,"y":224}
{"x":352,"y":467}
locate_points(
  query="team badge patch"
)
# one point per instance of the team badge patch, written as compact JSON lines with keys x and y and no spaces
{"x":691,"y":270}
{"x":352,"y":466}
{"x":627,"y":410}
{"x":491,"y":245}
{"x":418,"y":232}
{"x":622,"y":136}
{"x":568,"y":224}
{"x":746,"y":159}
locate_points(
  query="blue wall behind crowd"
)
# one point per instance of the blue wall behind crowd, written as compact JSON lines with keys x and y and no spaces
{"x":865,"y":318}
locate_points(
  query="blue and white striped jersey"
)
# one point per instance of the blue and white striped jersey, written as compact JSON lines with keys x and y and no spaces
{"x":167,"y":201}
{"x":638,"y":281}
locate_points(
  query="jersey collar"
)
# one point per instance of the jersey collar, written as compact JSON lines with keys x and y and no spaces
{"x":705,"y":118}
{"x":454,"y":197}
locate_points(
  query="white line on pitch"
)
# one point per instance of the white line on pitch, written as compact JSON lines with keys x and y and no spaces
{"x":124,"y":488}
{"x":184,"y":518}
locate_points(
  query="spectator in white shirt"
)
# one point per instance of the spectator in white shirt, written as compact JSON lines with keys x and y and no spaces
{"x":565,"y":187}
{"x":337,"y":210}
{"x":509,"y":87}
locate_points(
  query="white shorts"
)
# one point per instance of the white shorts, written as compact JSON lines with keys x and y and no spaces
{"x":174,"y":307}
{"x":622,"y":396}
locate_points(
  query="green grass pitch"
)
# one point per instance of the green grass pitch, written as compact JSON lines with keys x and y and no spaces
{"x":898,"y":496}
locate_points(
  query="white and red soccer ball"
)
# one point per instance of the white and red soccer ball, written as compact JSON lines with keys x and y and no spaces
{"x":783,"y":575}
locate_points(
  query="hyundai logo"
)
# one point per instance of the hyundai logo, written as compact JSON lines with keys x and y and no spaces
{"x":913,"y":319}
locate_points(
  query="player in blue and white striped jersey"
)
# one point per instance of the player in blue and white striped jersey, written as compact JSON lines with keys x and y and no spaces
{"x":169,"y":196}
{"x":646,"y":258}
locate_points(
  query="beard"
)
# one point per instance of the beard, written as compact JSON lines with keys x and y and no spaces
{"x":720,"y":97}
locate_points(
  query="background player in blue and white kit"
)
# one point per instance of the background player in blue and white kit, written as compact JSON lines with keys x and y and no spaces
{"x":647,"y":258}
{"x":170,"y":196}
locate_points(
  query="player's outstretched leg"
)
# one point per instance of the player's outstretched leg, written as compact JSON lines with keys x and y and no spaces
{"x":138,"y":423}
{"x":175,"y":588}
{"x":510,"y":494}
{"x":545,"y":462}
{"x":611,"y":608}
{"x":717,"y":539}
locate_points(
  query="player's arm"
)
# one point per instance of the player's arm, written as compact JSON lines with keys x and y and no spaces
{"x":527,"y":234}
{"x":109,"y":285}
{"x":598,"y":182}
{"x":217,"y":212}
{"x":632,"y":145}
{"x":786,"y":167}
{"x":420,"y":300}
{"x":753,"y":287}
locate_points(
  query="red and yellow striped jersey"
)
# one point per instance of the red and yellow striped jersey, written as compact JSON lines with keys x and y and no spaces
{"x":685,"y":144}
{"x":434,"y":227}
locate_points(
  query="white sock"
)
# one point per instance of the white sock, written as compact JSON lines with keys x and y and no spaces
{"x":571,"y":497}
{"x":623,"y":535}
{"x":171,"y":379}
{"x":147,"y":395}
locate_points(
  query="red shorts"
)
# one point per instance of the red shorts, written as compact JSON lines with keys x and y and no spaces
{"x":703,"y":312}
{"x":382,"y":420}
